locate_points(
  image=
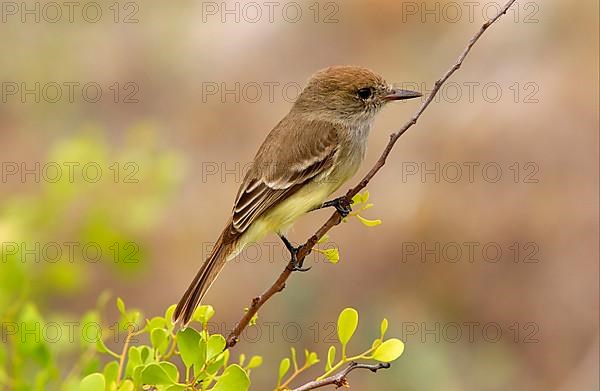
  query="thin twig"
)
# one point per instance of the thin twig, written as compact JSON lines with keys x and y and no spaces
{"x":298,"y":371}
{"x":335,"y":219}
{"x":339,"y":379}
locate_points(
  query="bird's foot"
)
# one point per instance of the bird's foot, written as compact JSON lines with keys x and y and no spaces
{"x":342,"y":204}
{"x":295,"y":265}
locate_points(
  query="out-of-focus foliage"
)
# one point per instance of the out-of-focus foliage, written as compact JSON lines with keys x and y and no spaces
{"x":107,"y":214}
{"x":202,"y":357}
{"x":152,"y":354}
{"x":42,"y":258}
{"x":109,"y":211}
{"x":381,"y":350}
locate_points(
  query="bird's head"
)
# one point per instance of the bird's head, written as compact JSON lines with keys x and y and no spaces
{"x":348,"y":94}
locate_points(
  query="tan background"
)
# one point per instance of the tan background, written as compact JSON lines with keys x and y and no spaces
{"x":547,"y":311}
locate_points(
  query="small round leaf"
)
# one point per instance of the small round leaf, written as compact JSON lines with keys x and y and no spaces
{"x":255,"y":361}
{"x":346,"y":325}
{"x":389,"y":350}
{"x":93,"y":382}
{"x":284,"y":367}
{"x":233,"y":378}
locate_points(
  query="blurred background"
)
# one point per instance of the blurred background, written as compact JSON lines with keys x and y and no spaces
{"x":126,"y":128}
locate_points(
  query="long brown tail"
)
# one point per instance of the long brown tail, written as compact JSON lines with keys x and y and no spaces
{"x":207,"y":274}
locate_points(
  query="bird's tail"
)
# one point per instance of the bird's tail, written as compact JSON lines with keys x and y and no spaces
{"x":207,"y":274}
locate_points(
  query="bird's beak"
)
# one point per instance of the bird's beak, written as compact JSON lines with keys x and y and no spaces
{"x":398,"y":94}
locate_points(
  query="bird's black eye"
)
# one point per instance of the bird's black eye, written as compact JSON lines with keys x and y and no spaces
{"x":365,"y":93}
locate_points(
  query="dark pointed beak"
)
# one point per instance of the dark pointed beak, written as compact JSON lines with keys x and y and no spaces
{"x":398,"y":94}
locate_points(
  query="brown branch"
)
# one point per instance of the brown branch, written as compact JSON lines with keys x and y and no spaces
{"x":335,"y":219}
{"x":339,"y":379}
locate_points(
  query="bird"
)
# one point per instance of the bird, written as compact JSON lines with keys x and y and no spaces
{"x":307,"y":156}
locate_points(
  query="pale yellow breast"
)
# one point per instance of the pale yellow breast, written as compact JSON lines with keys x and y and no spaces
{"x":312,"y":195}
{"x":281,"y":217}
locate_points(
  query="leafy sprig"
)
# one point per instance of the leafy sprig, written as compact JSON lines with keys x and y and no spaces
{"x":360,"y":203}
{"x":381,"y":350}
{"x":154,"y":366}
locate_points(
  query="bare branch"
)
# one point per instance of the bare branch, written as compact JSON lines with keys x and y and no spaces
{"x":335,"y":219}
{"x":339,"y":379}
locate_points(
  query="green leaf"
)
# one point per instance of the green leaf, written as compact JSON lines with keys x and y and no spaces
{"x":255,"y":361}
{"x":312,"y":359}
{"x":226,"y":357}
{"x":93,"y":382}
{"x":155,"y":374}
{"x":102,"y":348}
{"x":234,"y":378}
{"x":383,"y":328}
{"x":134,"y":317}
{"x":157,"y":322}
{"x":170,"y":369}
{"x":188,"y":343}
{"x":203,"y":314}
{"x":202,"y":348}
{"x":330,"y":358}
{"x":137,"y":376}
{"x":284,"y":367}
{"x":216,"y":363}
{"x":111,"y":371}
{"x":169,"y":316}
{"x":134,"y":358}
{"x":294,"y":359}
{"x":367,"y":222}
{"x":375,"y":344}
{"x":121,"y":306}
{"x":215,"y":346}
{"x":160,"y":340}
{"x":145,"y":353}
{"x":346,"y":325}
{"x":332,"y":255}
{"x":389,"y":350}
{"x":357,"y":199}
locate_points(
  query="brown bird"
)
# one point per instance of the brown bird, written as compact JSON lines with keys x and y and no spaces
{"x":309,"y":154}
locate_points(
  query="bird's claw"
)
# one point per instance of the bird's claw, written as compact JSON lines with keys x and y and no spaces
{"x":342,"y":204}
{"x":294,"y":265}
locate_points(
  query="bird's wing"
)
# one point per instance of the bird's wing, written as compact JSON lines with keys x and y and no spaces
{"x":274,"y":176}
